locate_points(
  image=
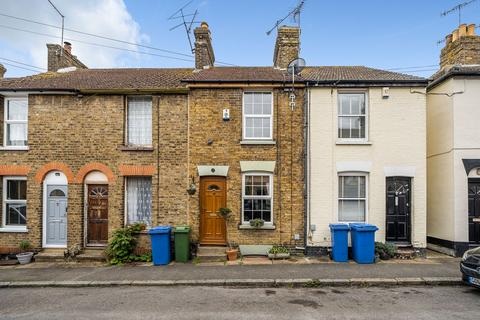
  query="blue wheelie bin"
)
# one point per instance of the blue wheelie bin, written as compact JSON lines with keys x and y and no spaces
{"x":339,"y":242}
{"x":363,"y":242}
{"x":160,"y":237}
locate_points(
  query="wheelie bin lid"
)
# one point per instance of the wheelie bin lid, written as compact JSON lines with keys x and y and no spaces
{"x":159,"y":230}
{"x":339,"y":226}
{"x":182,"y":229}
{"x":363,"y":227}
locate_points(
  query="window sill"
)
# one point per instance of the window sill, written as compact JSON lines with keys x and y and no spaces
{"x":14,"y":229}
{"x":249,"y":227}
{"x":353,"y":142}
{"x":6,"y":148}
{"x":136,"y":148}
{"x":258,"y":142}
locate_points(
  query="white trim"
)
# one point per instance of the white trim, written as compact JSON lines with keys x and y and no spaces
{"x":6,"y":122}
{"x":257,"y":166}
{"x":400,"y":171}
{"x":216,"y":171}
{"x":353,"y":174}
{"x":14,"y":94}
{"x":13,"y":228}
{"x":270,"y":138}
{"x":354,"y":166}
{"x":267,"y":223}
{"x":95,"y":177}
{"x":353,"y":140}
{"x":52,"y":179}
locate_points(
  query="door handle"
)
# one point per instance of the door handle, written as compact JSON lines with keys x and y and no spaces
{"x":55,"y":220}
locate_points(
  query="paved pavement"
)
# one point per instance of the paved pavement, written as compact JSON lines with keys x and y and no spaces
{"x":391,"y":303}
{"x":396,"y":269}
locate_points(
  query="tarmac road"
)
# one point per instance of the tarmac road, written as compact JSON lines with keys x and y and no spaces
{"x":397,"y":302}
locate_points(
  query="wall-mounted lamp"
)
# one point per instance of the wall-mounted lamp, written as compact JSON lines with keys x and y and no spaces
{"x":192,"y":188}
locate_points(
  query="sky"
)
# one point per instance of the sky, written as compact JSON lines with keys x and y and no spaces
{"x":387,"y":34}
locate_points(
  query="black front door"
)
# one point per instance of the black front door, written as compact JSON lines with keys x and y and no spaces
{"x":398,"y":209}
{"x":474,"y":211}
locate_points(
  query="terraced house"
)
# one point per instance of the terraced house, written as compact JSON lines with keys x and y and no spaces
{"x":87,"y":151}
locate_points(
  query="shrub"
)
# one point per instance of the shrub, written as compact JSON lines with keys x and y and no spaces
{"x":276,"y":249}
{"x":385,"y":250}
{"x":121,"y":246}
{"x":24,"y":245}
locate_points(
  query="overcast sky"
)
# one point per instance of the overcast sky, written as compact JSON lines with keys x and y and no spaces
{"x":378,"y":33}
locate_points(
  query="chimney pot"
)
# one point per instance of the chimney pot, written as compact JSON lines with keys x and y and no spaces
{"x":67,"y":46}
{"x":204,"y":55}
{"x":448,"y":39}
{"x":471,"y":30}
{"x":455,"y":35}
{"x":204,"y":25}
{"x":2,"y":70}
{"x":462,"y":30}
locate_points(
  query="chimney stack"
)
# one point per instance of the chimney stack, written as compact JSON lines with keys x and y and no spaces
{"x":61,"y":57}
{"x":204,"y":56}
{"x":462,"y":47}
{"x":287,"y":46}
{"x":2,"y":70}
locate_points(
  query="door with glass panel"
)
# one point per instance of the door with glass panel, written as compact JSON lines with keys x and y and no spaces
{"x":97,"y":215}
{"x":56,"y":228}
{"x":474,"y":211}
{"x":398,"y":209}
{"x":213,"y":229}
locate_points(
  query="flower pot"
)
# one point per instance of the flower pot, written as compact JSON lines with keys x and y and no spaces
{"x":25,"y":257}
{"x":279,"y":255}
{"x":232,"y":254}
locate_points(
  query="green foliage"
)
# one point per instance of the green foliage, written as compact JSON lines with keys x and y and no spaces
{"x":314,"y":283}
{"x":24,"y":245}
{"x":385,"y":250}
{"x":257,"y":223}
{"x":123,"y":242}
{"x":276,"y":249}
{"x":225,"y":212}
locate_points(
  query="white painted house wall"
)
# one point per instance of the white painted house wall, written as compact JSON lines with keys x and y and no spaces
{"x":396,"y":146}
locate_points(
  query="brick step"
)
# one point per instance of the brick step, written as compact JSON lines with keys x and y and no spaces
{"x":50,"y":255}
{"x":92,"y":255}
{"x":211,"y":253}
{"x":405,"y":253}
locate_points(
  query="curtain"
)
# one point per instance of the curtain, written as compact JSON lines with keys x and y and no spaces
{"x":139,"y":121}
{"x":139,"y":200}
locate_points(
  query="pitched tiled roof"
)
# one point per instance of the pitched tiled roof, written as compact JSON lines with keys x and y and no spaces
{"x":239,"y":74}
{"x":354,"y":73}
{"x":101,"y":79}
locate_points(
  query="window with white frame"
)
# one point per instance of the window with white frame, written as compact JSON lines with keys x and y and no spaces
{"x":139,"y":200}
{"x":257,"y":197}
{"x":352,"y":116}
{"x":257,"y":115}
{"x":16,"y":122}
{"x":14,"y":192}
{"x":139,"y":121}
{"x":352,"y":198}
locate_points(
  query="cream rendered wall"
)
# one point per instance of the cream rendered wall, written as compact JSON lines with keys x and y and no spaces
{"x":447,"y":180}
{"x":440,"y":185}
{"x":397,"y":137}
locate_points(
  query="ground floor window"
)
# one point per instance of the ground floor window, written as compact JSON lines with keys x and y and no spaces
{"x":352,"y":198}
{"x":257,"y":197}
{"x":139,"y":200}
{"x":14,"y":198}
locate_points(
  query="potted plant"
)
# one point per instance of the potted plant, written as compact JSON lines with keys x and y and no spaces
{"x":232,"y":251}
{"x":257,"y":223}
{"x":24,"y":257}
{"x":278,"y":252}
{"x":225,"y":212}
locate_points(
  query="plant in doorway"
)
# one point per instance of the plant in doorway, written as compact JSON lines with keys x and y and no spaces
{"x":225,"y":212}
{"x":384,"y":251}
{"x":25,"y":256}
{"x":122,"y":244}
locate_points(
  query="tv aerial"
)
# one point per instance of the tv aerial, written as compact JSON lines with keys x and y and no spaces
{"x":294,"y":68}
{"x":294,"y":13}
{"x":458,"y":8}
{"x":187,"y":23}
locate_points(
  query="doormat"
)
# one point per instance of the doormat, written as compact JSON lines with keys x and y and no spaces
{"x":254,"y":250}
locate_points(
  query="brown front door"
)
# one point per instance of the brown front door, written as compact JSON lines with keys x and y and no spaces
{"x":97,"y":214}
{"x":213,"y":196}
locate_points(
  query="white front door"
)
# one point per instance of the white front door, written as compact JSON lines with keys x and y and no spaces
{"x":56,"y":219}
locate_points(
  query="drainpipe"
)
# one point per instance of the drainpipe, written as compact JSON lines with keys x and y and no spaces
{"x":306,"y":163}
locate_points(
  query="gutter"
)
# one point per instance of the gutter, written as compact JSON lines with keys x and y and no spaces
{"x":368,"y":83}
{"x":452,"y":73}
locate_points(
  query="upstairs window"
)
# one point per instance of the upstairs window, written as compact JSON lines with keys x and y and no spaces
{"x":16,"y":122}
{"x":139,"y":121}
{"x":14,"y":202}
{"x":257,"y":115}
{"x":352,"y":116}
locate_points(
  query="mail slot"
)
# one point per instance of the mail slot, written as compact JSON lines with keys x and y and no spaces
{"x":476,"y":219}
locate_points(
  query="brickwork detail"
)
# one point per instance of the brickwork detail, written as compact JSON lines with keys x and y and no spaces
{"x":59,"y":58}
{"x":95,"y":166}
{"x":14,"y":170}
{"x":287,"y":46}
{"x":42,"y":172}
{"x":461,"y":47}
{"x":132,"y":170}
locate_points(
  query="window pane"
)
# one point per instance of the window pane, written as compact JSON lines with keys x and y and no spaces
{"x":344,"y":127}
{"x":257,"y":115}
{"x":16,"y":214}
{"x":257,"y":98}
{"x":267,"y":98}
{"x":355,"y":127}
{"x":139,"y":121}
{"x":139,"y":200}
{"x":17,"y":110}
{"x":16,"y":189}
{"x":257,"y":108}
{"x":248,"y":108}
{"x":344,"y":108}
{"x":248,"y":98}
{"x":350,"y":187}
{"x":362,"y":192}
{"x":355,"y":104}
{"x":351,"y":210}
{"x":17,"y":134}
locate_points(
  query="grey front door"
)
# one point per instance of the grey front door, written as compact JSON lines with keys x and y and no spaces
{"x":56,"y":233}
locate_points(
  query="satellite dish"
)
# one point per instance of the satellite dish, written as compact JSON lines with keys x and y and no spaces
{"x":296,"y":66}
